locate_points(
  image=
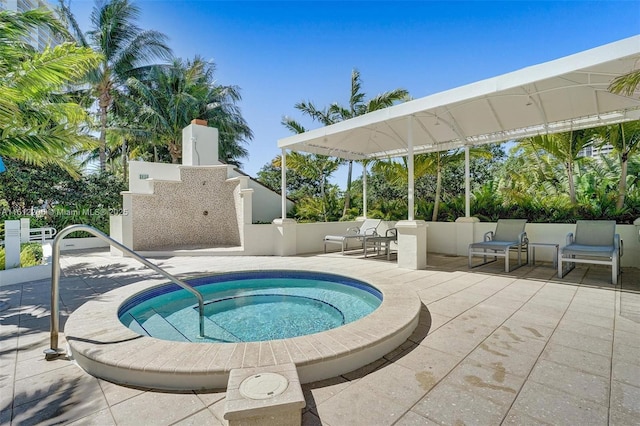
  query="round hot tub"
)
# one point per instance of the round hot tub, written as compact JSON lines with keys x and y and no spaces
{"x":251,"y":306}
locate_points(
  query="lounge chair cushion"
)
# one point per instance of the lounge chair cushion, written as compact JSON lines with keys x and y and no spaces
{"x":494,"y":245}
{"x":341,"y":237}
{"x":588,"y":250}
{"x":368,"y":227}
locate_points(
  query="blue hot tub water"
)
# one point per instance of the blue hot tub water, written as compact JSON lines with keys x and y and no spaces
{"x":251,"y":306}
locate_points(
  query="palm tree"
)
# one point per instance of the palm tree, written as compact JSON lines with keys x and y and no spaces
{"x":625,"y":139}
{"x":358,"y":105}
{"x":39,"y":124}
{"x":313,"y":166}
{"x":596,"y":189}
{"x":169,"y":97}
{"x":126,"y":52}
{"x":438,"y":161}
{"x":424,"y":164}
{"x":565,"y":148}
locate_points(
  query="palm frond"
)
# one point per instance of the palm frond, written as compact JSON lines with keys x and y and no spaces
{"x":53,"y":68}
{"x":69,"y":18}
{"x":626,"y":84}
{"x":293,"y":125}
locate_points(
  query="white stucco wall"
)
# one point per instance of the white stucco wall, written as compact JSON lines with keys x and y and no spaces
{"x":141,"y":171}
{"x":70,"y":244}
{"x":259,"y":240}
{"x":200,"y":210}
{"x":310,"y":235}
{"x":442,"y":237}
{"x":267,"y":205}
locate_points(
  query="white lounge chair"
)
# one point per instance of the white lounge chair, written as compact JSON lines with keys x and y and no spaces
{"x":509,"y":235}
{"x":596,"y":242}
{"x":355,"y":233}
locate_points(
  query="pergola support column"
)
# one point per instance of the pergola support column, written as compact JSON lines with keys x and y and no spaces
{"x":285,"y":229}
{"x":465,"y":225}
{"x":467,"y":183}
{"x":283,"y":183}
{"x":410,"y":168}
{"x":364,"y":189}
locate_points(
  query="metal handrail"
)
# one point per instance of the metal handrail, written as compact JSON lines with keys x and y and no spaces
{"x":54,"y":351}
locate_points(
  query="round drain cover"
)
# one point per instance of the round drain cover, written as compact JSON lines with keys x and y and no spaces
{"x":263,"y":386}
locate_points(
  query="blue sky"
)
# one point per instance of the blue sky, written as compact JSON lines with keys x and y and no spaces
{"x":280,"y":53}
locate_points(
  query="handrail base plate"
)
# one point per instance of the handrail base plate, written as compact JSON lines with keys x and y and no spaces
{"x":51,"y":354}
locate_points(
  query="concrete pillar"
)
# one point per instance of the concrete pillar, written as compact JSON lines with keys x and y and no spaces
{"x":115,"y":232}
{"x":199,"y":144}
{"x":246,"y":198}
{"x":286,"y":237}
{"x":25,"y":230}
{"x":11,"y":244}
{"x":465,"y":227}
{"x":412,"y":244}
{"x":247,"y":205}
{"x":127,"y":221}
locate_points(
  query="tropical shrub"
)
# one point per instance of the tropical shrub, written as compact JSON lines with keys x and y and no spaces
{"x":50,"y":197}
{"x":30,"y":255}
{"x":319,"y":209}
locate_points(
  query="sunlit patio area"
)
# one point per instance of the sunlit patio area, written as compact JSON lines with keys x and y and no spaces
{"x":491,"y":348}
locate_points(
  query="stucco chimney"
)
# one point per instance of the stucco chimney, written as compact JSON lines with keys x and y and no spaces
{"x":199,"y":144}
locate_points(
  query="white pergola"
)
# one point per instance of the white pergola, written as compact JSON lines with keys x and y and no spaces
{"x":565,"y":94}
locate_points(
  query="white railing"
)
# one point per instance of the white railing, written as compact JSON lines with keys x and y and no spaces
{"x":41,"y":234}
{"x":54,"y":351}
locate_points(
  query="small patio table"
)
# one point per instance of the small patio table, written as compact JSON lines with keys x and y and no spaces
{"x":532,"y":247}
{"x":379,"y":241}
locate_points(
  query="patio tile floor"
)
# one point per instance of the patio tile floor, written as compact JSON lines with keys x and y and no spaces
{"x":491,"y":348}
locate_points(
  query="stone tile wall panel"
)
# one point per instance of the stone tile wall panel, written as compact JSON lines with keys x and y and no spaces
{"x":197,"y":212}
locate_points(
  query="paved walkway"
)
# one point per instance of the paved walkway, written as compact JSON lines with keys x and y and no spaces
{"x":491,"y":348}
